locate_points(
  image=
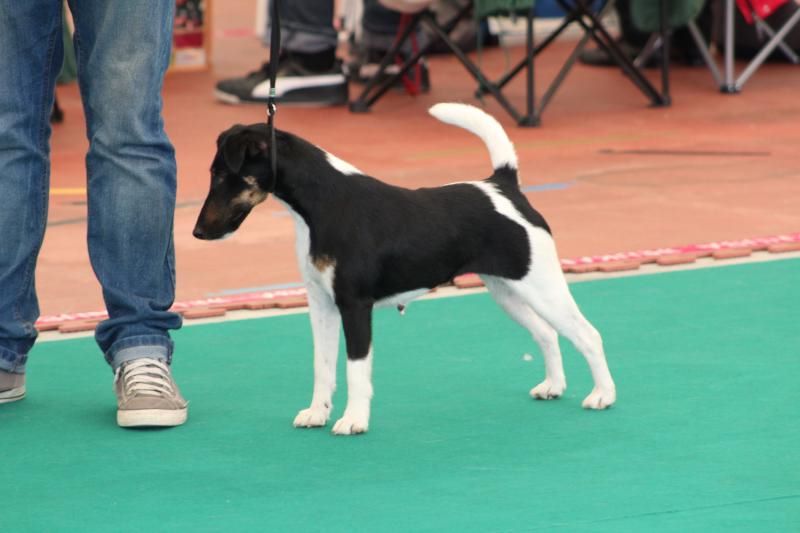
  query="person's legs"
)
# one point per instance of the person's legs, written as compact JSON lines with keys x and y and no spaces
{"x":30,"y":57}
{"x":307,"y":26}
{"x":380,"y":26}
{"x":123,"y":50}
{"x":308,"y":73}
{"x":629,"y":32}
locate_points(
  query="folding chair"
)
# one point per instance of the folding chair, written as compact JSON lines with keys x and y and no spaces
{"x":421,"y":15}
{"x":577,"y":12}
{"x":647,"y":18}
{"x":754,"y":11}
{"x":684,"y":13}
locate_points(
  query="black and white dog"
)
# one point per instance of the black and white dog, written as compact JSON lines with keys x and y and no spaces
{"x":363,"y":243}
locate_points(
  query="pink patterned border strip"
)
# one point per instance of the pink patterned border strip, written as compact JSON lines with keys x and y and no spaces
{"x":276,"y":296}
{"x":181,"y":306}
{"x":759,"y":243}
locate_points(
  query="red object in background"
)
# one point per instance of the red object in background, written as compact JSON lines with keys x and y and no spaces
{"x":762,"y":8}
{"x":413,"y":85}
{"x":188,"y":39}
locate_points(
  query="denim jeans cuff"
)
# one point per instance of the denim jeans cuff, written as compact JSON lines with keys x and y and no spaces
{"x":11,"y":361}
{"x":130,"y":348}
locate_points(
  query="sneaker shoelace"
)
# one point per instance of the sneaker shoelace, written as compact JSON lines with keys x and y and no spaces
{"x":145,"y":377}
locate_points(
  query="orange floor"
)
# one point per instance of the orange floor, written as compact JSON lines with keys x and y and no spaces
{"x":742,"y":181}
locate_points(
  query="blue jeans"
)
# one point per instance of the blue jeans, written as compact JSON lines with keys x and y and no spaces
{"x":123,"y":49}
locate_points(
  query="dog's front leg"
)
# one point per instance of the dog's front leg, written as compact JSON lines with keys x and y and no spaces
{"x":357,"y":324}
{"x":325,"y":330}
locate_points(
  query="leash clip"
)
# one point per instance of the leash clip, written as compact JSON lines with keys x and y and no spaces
{"x":271,"y":107}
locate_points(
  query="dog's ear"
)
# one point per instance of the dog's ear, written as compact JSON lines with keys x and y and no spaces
{"x":238,"y":146}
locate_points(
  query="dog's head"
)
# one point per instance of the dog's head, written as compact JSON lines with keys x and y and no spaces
{"x":241,"y":178}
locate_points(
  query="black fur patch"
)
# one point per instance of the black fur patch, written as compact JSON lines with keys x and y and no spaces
{"x":387,"y":240}
{"x":506,"y":180}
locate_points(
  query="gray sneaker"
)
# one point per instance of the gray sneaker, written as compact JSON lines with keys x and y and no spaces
{"x":147,"y":395}
{"x":12,"y":386}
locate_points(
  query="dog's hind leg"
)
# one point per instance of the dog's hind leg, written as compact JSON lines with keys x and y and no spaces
{"x":325,"y":330}
{"x":545,"y":336}
{"x":556,"y":306}
{"x":357,"y":325}
{"x":545,"y":289}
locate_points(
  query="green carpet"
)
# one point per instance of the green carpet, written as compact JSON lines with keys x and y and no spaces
{"x":705,"y":435}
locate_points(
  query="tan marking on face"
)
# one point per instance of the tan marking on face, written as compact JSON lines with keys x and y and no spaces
{"x":251,"y":196}
{"x":323,"y":261}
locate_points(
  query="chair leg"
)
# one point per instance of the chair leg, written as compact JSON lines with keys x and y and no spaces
{"x":651,"y":46}
{"x":666,"y":99}
{"x":511,"y":74}
{"x":729,"y":87}
{"x":787,"y":51}
{"x":365,"y":100}
{"x":654,"y":43}
{"x":473,"y":70}
{"x":531,"y":117}
{"x":598,"y":32}
{"x":562,"y":73}
{"x":700,"y":42}
{"x":766,"y":51}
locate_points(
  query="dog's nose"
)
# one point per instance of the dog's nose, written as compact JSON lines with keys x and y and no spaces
{"x":199,"y":233}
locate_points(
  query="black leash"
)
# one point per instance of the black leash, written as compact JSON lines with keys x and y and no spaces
{"x":274,"y":53}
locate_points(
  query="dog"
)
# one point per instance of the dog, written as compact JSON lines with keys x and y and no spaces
{"x":362,"y":243}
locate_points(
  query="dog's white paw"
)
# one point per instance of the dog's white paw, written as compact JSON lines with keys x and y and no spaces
{"x":351,"y":425}
{"x":548,"y":390}
{"x":313,"y":417}
{"x":600,"y":398}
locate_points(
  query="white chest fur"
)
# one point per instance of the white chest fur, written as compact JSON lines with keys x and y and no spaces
{"x":320,"y":279}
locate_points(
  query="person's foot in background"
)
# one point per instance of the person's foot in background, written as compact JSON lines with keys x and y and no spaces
{"x":682,"y":50}
{"x":599,"y":57}
{"x":303,"y":78}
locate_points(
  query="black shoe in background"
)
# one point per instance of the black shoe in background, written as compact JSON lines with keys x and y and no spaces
{"x":310,"y":79}
{"x":598,"y":57}
{"x":681,"y":52}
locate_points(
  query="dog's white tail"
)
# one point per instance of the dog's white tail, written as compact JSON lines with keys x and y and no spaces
{"x":484,"y":126}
